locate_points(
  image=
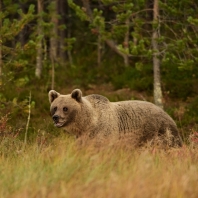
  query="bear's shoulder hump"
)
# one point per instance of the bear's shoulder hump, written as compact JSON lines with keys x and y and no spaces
{"x":97,"y":97}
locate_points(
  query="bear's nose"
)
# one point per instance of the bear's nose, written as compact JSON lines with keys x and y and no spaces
{"x":55,"y":118}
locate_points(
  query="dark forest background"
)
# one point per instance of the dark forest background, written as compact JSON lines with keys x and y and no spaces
{"x":140,"y":49}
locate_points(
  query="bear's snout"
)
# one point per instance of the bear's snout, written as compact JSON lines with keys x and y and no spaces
{"x":55,"y":118}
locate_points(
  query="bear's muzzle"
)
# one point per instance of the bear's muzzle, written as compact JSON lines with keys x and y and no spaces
{"x":55,"y":118}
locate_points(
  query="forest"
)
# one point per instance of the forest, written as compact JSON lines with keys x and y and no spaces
{"x":122,"y":49}
{"x":100,"y":47}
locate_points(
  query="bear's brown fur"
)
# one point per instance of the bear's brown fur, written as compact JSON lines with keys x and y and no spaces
{"x":95,"y":117}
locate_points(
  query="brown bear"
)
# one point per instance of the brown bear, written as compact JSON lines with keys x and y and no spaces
{"x":95,"y":117}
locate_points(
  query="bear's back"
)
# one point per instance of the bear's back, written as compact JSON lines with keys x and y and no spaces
{"x":142,"y":112}
{"x":144,"y":117}
{"x":97,"y":100}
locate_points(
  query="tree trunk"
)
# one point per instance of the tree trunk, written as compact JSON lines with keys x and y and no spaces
{"x":1,"y":60}
{"x":64,"y":19}
{"x":126,"y":43}
{"x":39,"y":56}
{"x":99,"y":48}
{"x":53,"y":74}
{"x":156,"y":60}
{"x":53,"y":37}
{"x":69,"y":54}
{"x":21,"y":34}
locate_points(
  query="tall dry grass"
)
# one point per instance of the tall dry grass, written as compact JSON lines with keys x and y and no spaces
{"x":62,"y":169}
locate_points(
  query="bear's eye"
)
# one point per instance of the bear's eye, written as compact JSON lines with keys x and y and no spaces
{"x":55,"y":108}
{"x":65,"y":109}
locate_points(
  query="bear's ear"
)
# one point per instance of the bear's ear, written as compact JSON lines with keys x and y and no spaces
{"x":53,"y":95}
{"x":77,"y":95}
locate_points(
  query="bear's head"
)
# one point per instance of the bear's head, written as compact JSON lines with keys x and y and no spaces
{"x":64,"y":108}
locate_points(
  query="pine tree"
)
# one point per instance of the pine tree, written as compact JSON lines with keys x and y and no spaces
{"x":12,"y":22}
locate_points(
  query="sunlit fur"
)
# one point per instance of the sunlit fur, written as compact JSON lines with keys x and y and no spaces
{"x":95,"y":117}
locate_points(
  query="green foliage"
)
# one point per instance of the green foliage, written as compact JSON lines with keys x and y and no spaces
{"x":16,"y":60}
{"x":69,"y":43}
{"x":134,"y":78}
{"x":180,"y":82}
{"x":80,"y":13}
{"x":10,"y":28}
